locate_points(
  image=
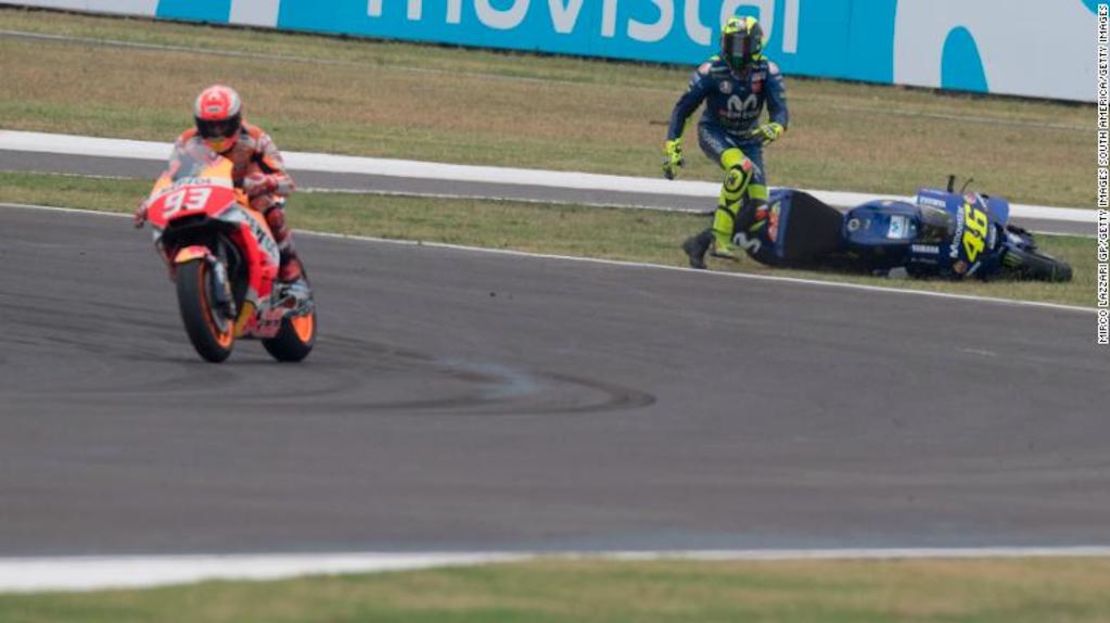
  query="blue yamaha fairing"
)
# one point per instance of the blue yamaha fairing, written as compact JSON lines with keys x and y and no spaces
{"x":942,"y":234}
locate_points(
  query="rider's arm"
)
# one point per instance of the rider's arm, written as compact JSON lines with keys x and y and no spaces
{"x":689,"y":102}
{"x":269,"y":158}
{"x":776,"y":96}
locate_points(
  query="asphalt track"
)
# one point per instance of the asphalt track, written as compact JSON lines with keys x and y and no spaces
{"x":463,"y":400}
{"x":16,"y":160}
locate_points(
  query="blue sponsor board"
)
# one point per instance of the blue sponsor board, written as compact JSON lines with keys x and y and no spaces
{"x":1031,"y":47}
{"x":217,"y":11}
{"x":1023,"y":47}
{"x":807,"y":37}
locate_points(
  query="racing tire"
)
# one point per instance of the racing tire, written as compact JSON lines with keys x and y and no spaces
{"x":295,"y":339}
{"x":1040,"y":267}
{"x":212,"y":337}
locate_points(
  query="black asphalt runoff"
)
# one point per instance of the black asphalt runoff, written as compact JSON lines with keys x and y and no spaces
{"x":462,"y":400}
{"x":134,"y":167}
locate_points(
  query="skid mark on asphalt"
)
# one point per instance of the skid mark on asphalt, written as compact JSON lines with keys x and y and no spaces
{"x":333,"y":382}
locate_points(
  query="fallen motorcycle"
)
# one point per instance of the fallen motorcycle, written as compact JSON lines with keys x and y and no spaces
{"x":224,"y":261}
{"x":943,"y":233}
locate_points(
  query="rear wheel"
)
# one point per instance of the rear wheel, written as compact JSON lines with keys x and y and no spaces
{"x":212,"y":334}
{"x":295,"y":339}
{"x":1036,"y":266}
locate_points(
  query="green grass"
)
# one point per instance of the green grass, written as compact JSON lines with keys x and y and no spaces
{"x":611,"y":233}
{"x":556,"y":591}
{"x":481,"y":107}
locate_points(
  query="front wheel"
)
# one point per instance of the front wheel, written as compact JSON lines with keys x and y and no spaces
{"x":212,"y":334}
{"x":1036,"y":266}
{"x":295,"y":339}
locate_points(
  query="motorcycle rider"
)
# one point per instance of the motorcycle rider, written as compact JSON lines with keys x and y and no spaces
{"x":736,"y":85}
{"x":258,"y":166}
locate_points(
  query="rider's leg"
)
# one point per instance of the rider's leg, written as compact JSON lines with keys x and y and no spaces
{"x":739,"y":172}
{"x":273,"y":208}
{"x":752,"y":209}
{"x":720,"y":148}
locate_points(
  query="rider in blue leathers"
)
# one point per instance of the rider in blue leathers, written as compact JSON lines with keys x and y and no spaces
{"x":736,"y":85}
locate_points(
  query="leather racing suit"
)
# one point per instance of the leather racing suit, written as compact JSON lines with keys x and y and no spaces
{"x":260,"y":171}
{"x":734,"y":104}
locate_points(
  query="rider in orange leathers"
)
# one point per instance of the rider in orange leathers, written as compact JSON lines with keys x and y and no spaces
{"x":258,"y":166}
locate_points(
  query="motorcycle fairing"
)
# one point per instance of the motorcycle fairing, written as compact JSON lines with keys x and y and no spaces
{"x":263,"y":260}
{"x":974,"y":244}
{"x":190,"y":253}
{"x":177,"y":201}
{"x":942,"y":234}
{"x":198,"y":185}
{"x":798,"y":229}
{"x":882,"y":231}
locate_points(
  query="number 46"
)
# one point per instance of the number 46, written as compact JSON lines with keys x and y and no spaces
{"x":975,"y":234}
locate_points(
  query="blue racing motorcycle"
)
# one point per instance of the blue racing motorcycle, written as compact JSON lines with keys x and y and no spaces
{"x":945,"y":234}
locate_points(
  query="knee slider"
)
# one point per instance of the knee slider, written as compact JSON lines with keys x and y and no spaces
{"x":737,"y":179}
{"x":275,"y":217}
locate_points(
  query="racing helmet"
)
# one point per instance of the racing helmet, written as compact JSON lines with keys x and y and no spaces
{"x":218,"y":113}
{"x":741,"y":43}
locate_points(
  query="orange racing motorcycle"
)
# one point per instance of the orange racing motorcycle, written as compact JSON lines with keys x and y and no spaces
{"x":224,"y":261}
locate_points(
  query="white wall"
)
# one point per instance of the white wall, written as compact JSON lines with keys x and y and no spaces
{"x":1006,"y":32}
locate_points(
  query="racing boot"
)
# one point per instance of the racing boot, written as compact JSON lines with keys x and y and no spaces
{"x":291,"y":268}
{"x":696,"y":247}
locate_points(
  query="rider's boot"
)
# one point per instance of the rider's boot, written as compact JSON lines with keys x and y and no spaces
{"x":697,"y":246}
{"x":291,"y":268}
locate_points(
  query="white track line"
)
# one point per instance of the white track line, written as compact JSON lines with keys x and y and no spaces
{"x":456,"y":197}
{"x":88,"y":573}
{"x":412,"y":169}
{"x":642,"y":265}
{"x":81,"y":573}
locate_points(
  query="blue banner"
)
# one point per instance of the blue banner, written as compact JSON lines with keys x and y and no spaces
{"x":1023,"y":47}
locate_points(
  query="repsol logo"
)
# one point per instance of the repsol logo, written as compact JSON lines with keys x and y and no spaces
{"x":565,"y":15}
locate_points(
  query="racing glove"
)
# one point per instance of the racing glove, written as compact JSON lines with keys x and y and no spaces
{"x":768,"y":132}
{"x":258,"y":184}
{"x":140,"y":214}
{"x":672,"y":158}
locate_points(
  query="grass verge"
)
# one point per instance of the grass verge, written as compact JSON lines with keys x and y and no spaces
{"x":610,"y":233}
{"x":555,"y":591}
{"x":480,"y":107}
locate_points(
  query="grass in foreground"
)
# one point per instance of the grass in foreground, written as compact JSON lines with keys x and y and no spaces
{"x":554,"y":591}
{"x":621,"y":234}
{"x":480,"y":107}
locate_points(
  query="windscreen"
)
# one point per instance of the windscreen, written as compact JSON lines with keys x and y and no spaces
{"x":194,"y":160}
{"x":936,"y":226}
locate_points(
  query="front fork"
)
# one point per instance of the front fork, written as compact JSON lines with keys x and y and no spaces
{"x":222,"y":297}
{"x":221,"y":287}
